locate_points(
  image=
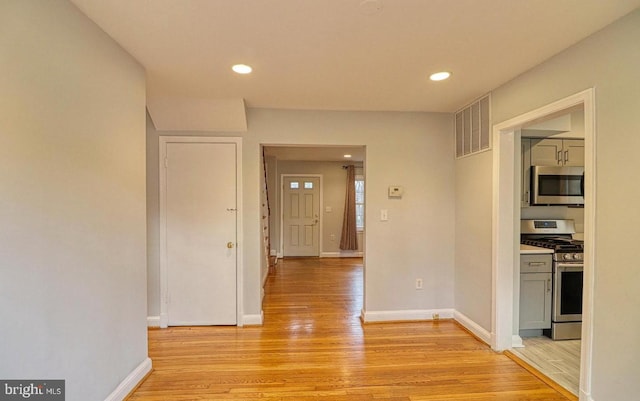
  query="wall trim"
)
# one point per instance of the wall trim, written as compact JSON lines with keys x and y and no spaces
{"x":253,"y":320}
{"x":344,"y":254}
{"x":130,"y":382}
{"x":153,"y":321}
{"x":472,"y":326}
{"x":505,"y":227}
{"x":516,"y":341}
{"x":585,"y":396}
{"x":404,"y":315}
{"x":164,"y":320}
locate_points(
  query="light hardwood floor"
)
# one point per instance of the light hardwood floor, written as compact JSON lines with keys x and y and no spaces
{"x":313,"y":346}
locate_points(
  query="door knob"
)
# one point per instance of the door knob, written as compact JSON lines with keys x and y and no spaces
{"x":229,"y":245}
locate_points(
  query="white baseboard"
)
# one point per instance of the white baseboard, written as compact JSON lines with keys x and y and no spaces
{"x":405,"y":315}
{"x":130,"y":382}
{"x":584,"y":396}
{"x":253,"y":320}
{"x":153,"y":321}
{"x":516,"y":341}
{"x":343,"y":254}
{"x":473,"y":327}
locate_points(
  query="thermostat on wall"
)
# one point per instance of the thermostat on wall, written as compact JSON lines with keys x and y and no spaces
{"x":395,"y":191}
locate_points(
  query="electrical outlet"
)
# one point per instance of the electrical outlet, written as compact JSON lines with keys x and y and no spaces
{"x":418,"y":284}
{"x":332,"y":237}
{"x":436,"y":316}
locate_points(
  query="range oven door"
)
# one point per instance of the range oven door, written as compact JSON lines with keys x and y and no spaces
{"x":557,"y":185}
{"x":567,"y":292}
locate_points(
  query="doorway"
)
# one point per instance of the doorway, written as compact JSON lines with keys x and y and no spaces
{"x":199,"y":224}
{"x":507,"y":226}
{"x":326,"y":163}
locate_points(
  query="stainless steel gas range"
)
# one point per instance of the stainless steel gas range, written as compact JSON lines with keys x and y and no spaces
{"x":568,"y":267}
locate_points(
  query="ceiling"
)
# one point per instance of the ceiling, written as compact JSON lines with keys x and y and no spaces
{"x":371,"y":55}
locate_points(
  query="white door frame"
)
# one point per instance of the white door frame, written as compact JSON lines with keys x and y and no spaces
{"x":506,"y":227}
{"x":164,"y":283}
{"x":282,"y":177}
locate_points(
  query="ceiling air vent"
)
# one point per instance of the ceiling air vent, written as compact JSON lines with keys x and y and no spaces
{"x":473,"y":128}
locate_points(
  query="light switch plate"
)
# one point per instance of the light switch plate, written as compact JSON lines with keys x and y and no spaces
{"x":384,"y":215}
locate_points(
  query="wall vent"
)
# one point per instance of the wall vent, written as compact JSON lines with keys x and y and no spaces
{"x":473,"y":127}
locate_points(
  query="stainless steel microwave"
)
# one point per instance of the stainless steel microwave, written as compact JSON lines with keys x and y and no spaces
{"x":557,"y":185}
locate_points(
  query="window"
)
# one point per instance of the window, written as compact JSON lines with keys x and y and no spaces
{"x":359,"y":202}
{"x":294,"y":185}
{"x":308,"y":185}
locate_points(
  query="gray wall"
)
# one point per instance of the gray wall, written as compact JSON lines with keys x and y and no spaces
{"x":609,"y":61}
{"x":473,"y":247}
{"x":410,"y":149}
{"x":72,"y":204}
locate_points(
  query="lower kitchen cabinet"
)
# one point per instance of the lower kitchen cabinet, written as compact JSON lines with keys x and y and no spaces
{"x":535,"y":294}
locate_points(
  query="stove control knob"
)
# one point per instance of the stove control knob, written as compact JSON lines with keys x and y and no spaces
{"x":566,"y":256}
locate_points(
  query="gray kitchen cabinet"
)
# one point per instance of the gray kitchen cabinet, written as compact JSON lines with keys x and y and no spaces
{"x":535,"y":291}
{"x":557,"y":152}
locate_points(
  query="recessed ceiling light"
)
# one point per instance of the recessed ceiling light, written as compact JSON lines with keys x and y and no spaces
{"x":242,"y":69}
{"x":347,"y":156}
{"x":440,"y":76}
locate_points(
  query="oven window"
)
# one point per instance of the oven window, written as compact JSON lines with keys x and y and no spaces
{"x":559,"y":185}
{"x":571,"y":293}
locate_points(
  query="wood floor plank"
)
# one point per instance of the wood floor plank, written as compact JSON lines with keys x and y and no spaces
{"x":314,"y":346}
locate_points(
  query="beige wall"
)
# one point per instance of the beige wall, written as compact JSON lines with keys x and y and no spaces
{"x":609,"y":61}
{"x":410,"y":149}
{"x":72,"y":203}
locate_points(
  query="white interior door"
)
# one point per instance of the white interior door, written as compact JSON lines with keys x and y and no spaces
{"x":301,"y":216}
{"x":200,"y":217}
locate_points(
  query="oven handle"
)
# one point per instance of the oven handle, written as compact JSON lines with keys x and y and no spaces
{"x":570,"y":267}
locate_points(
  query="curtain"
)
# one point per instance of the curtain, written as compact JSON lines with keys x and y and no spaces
{"x":349,"y":238}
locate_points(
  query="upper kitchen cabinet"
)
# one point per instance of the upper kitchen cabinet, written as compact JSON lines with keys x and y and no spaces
{"x":557,"y":152}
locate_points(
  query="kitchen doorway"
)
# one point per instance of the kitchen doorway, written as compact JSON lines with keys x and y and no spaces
{"x":507,"y":226}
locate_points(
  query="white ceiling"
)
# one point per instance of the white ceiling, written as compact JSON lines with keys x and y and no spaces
{"x":341,"y":54}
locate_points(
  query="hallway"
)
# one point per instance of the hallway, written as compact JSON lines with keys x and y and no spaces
{"x":313,"y":346}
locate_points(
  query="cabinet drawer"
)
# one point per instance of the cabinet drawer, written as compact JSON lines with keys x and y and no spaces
{"x":535,"y":263}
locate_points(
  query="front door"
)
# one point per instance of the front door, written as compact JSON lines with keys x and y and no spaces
{"x":301,"y":216}
{"x":199,"y":208}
